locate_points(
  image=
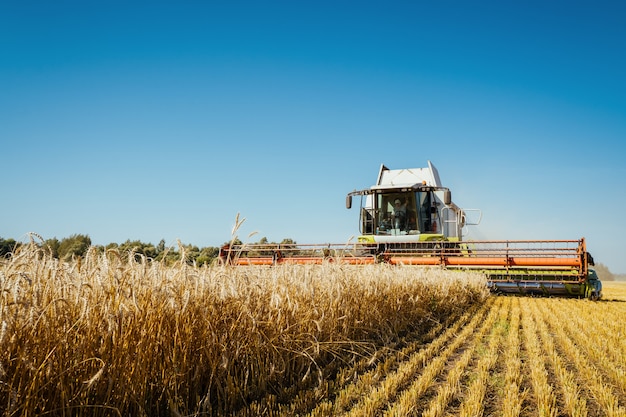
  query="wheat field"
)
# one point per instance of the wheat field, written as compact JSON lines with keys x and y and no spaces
{"x":110,"y":335}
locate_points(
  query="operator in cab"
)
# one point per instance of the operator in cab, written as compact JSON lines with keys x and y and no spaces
{"x":399,"y":214}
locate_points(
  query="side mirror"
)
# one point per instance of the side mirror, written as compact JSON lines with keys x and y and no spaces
{"x":447,"y":197}
{"x":349,"y":202}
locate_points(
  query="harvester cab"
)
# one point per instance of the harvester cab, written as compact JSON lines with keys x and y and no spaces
{"x":409,"y":205}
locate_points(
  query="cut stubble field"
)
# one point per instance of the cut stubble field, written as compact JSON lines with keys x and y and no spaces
{"x":510,"y":356}
{"x":114,"y":335}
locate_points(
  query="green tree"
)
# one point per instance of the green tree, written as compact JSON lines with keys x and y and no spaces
{"x":190,"y":252}
{"x":207,"y":255}
{"x":73,"y":246}
{"x":53,"y":246}
{"x":161,"y":246}
{"x":7,"y":246}
{"x":139,"y":249}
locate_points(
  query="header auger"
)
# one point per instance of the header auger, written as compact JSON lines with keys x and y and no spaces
{"x":409,"y":218}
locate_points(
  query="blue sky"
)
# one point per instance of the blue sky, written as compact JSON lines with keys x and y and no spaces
{"x":163,"y":120}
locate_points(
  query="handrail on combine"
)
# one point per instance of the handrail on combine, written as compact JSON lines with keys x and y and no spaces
{"x":280,"y":253}
{"x":565,"y":259}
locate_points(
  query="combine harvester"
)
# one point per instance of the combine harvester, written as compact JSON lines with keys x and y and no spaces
{"x":408,"y":218}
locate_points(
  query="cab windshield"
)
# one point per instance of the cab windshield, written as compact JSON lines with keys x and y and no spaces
{"x":409,"y":212}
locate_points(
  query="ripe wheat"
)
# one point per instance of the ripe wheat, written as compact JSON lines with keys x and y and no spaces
{"x":110,"y":333}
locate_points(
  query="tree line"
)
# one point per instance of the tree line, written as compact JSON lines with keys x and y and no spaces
{"x":76,"y":246}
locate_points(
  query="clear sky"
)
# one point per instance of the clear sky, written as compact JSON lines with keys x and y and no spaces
{"x":163,"y":120}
